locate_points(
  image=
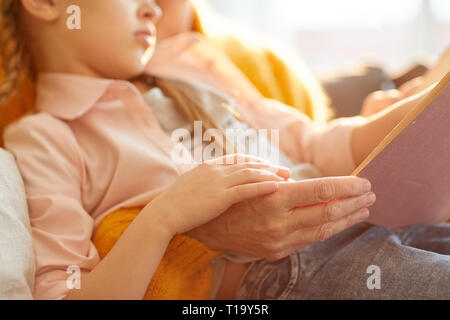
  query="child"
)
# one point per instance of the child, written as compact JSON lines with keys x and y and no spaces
{"x":93,"y":146}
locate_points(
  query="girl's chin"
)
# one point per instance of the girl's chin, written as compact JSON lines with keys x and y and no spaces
{"x":129,"y":72}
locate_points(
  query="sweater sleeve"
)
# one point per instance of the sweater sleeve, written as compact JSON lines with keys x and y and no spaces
{"x":326,"y":146}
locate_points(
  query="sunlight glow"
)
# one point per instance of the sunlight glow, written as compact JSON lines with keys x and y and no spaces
{"x":320,"y":14}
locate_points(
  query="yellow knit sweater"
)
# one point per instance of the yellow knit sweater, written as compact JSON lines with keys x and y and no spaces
{"x":185,"y":272}
{"x":277,"y":73}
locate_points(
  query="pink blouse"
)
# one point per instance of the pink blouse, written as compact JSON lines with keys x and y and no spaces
{"x":93,"y":146}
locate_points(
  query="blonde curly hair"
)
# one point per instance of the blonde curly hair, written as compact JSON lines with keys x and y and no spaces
{"x":16,"y":76}
{"x":11,"y":48}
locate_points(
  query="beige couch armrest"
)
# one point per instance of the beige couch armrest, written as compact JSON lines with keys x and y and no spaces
{"x":17,"y":264}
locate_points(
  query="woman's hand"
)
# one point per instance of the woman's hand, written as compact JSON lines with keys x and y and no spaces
{"x":300,"y":213}
{"x":211,"y":188}
{"x":367,"y":136}
{"x":380,"y":100}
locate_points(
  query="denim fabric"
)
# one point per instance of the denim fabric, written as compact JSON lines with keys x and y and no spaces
{"x":414,"y":263}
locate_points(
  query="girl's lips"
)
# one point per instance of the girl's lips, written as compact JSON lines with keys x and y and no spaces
{"x":146,"y":37}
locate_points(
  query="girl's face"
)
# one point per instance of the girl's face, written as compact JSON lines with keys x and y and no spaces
{"x":178,"y":17}
{"x":116,"y":38}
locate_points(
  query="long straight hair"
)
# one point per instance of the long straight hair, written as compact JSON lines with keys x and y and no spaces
{"x":190,"y":104}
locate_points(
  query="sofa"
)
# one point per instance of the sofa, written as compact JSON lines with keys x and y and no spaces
{"x":17,"y":264}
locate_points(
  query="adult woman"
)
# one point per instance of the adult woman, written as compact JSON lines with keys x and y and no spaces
{"x":272,"y":71}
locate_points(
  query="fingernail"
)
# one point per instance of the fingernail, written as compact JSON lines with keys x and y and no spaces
{"x":371,"y":198}
{"x":285,"y":169}
{"x":367,"y":186}
{"x":363,"y":214}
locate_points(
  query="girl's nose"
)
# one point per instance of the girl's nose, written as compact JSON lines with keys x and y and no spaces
{"x":150,"y":11}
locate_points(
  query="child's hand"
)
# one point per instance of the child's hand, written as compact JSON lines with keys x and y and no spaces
{"x":205,"y":192}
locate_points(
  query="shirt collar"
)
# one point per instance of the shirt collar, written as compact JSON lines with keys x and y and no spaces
{"x":69,"y":96}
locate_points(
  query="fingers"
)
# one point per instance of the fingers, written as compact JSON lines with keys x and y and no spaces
{"x":307,"y":236}
{"x":250,"y":175}
{"x":328,"y":212}
{"x":382,"y":95}
{"x":411,"y":87}
{"x":315,"y":191}
{"x":379,"y":100}
{"x":238,"y":161}
{"x":236,"y":158}
{"x":390,"y":94}
{"x":282,"y":172}
{"x":325,"y":231}
{"x":247,"y":191}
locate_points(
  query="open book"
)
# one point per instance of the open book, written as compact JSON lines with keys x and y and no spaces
{"x":410,"y":169}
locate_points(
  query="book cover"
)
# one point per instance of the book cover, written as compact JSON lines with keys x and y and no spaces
{"x":410,"y":168}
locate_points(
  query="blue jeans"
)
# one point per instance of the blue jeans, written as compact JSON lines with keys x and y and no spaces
{"x":363,"y":262}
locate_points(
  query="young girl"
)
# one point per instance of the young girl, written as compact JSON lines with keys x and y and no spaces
{"x":93,"y":145}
